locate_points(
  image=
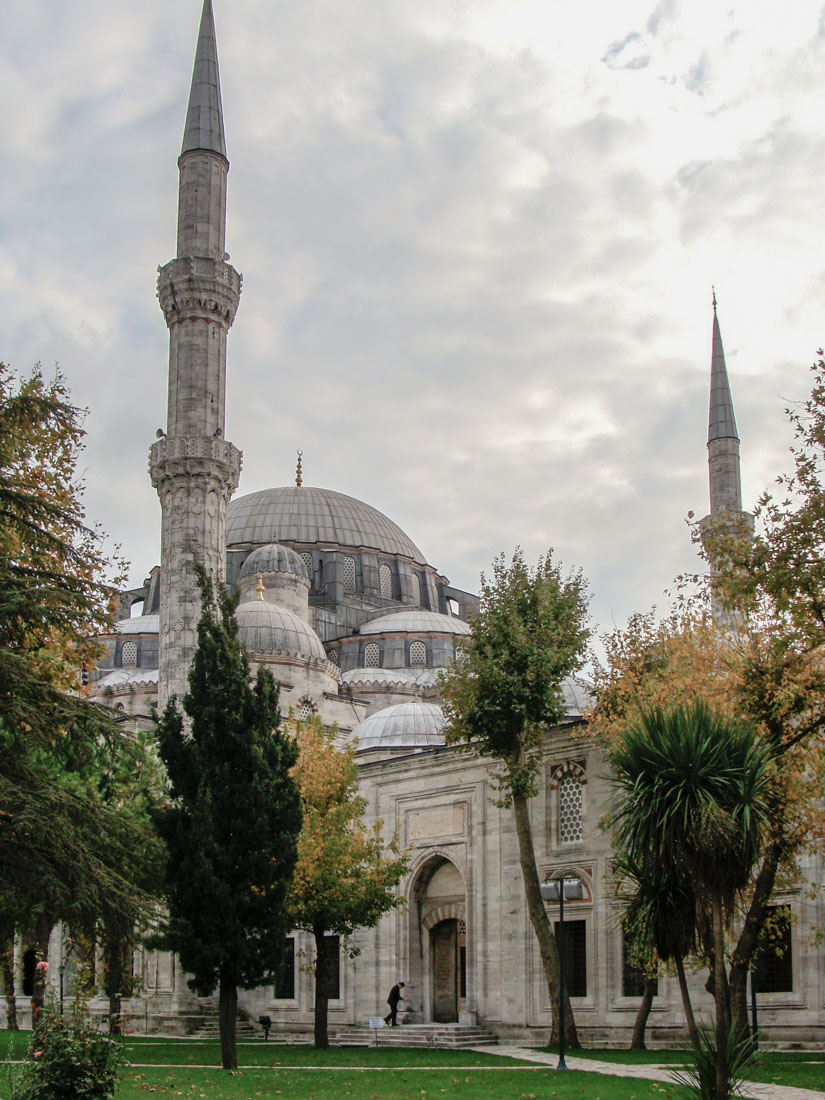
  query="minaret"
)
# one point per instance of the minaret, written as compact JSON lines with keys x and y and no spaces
{"x":194,"y":469}
{"x":726,"y":518}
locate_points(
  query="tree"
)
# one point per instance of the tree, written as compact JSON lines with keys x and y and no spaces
{"x":695,"y":795}
{"x":660,"y":925}
{"x":504,"y":693}
{"x":232,"y":820}
{"x":346,"y":874}
{"x":57,"y":592}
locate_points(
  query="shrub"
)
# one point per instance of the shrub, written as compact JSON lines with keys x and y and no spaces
{"x":68,"y":1059}
{"x":700,"y":1077}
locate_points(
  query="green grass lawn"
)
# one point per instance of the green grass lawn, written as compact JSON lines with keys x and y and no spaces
{"x":189,"y":1068}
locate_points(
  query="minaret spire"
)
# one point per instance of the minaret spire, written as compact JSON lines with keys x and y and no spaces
{"x":194,"y":469}
{"x":204,"y":117}
{"x":723,"y":438}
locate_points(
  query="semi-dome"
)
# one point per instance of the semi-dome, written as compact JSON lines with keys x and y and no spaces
{"x":416,"y":622}
{"x":265,"y":627}
{"x":273,"y":558}
{"x":310,"y":516}
{"x":411,"y":726}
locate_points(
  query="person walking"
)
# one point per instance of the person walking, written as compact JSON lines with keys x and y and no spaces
{"x":392,"y":1001}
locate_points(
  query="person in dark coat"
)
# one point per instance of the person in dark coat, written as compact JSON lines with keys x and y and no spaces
{"x":392,"y":1001}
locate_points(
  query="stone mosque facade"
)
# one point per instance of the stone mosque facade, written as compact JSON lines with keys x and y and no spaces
{"x":354,"y":623}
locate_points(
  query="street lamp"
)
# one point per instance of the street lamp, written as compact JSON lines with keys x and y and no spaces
{"x":556,"y":890}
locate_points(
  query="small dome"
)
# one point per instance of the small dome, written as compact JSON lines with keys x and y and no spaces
{"x":267,"y":628}
{"x":411,"y":726}
{"x":273,"y":558}
{"x":416,"y":622}
{"x":577,"y":697}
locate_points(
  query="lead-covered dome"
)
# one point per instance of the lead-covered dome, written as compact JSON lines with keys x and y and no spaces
{"x":416,"y":622}
{"x":266,"y":628}
{"x":412,"y":726}
{"x":273,"y":558}
{"x":299,"y":514}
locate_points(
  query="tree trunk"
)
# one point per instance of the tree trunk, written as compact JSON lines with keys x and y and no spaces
{"x":228,"y":1019}
{"x":115,"y":953}
{"x":720,"y":994}
{"x":548,"y":949}
{"x":7,"y":975}
{"x":321,"y":989}
{"x":748,"y":942}
{"x":638,"y":1040}
{"x":690,"y":1019}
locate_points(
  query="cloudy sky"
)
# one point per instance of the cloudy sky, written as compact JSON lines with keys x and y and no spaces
{"x":478,"y":239}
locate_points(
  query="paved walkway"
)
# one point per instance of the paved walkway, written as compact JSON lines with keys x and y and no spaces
{"x":755,"y":1089}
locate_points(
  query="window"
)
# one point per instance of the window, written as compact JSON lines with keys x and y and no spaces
{"x":333,"y":656}
{"x":575,"y":956}
{"x":29,"y":967}
{"x":349,"y":574}
{"x":305,"y":708}
{"x":775,"y":953}
{"x":633,"y":977}
{"x":128,"y":655}
{"x":385,"y":580}
{"x":418,"y":655}
{"x":571,"y":805}
{"x":371,"y":655}
{"x":416,"y":588}
{"x":333,"y":953}
{"x":285,"y":975}
{"x":306,"y":558}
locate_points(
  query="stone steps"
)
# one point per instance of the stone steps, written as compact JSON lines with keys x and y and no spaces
{"x":443,"y":1036}
{"x":209,"y":1027}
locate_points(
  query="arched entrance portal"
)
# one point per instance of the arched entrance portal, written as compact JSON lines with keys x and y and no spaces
{"x":442,"y":934}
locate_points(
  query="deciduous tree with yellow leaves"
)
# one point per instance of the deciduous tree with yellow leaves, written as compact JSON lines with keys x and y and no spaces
{"x":346,"y":873}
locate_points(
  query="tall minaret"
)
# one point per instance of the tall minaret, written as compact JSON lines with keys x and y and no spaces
{"x":194,"y":469}
{"x":726,"y":516}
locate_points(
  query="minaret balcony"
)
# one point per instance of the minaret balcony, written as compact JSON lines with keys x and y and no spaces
{"x":193,"y":456}
{"x":199,"y":286}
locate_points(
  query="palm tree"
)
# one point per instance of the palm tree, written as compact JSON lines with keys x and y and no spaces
{"x":693,"y":789}
{"x":660,"y":917}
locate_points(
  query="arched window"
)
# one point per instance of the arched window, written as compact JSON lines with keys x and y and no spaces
{"x":385,"y":580}
{"x":418,"y":655}
{"x":128,"y":655}
{"x":570,"y":809}
{"x":371,"y":655}
{"x":306,"y":558}
{"x":334,"y":656}
{"x":416,"y":589}
{"x":349,"y":574}
{"x":305,"y":708}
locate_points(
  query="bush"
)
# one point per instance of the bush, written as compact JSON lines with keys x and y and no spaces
{"x":68,"y":1059}
{"x":700,"y":1078}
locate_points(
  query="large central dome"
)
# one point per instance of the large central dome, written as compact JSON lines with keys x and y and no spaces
{"x":294,"y":514}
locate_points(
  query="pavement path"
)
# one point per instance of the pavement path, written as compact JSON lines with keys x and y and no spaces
{"x":755,"y":1089}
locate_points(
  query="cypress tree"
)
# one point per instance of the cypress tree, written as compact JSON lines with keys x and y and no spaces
{"x":232,"y":822}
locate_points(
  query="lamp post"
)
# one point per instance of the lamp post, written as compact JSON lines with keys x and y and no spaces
{"x":556,"y":890}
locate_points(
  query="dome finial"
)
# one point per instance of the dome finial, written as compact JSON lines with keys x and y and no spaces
{"x":713,"y":292}
{"x":299,"y":470}
{"x":259,"y":587}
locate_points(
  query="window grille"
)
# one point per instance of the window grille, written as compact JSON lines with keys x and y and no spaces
{"x":371,"y":655}
{"x":306,"y":558}
{"x":305,"y":708}
{"x":385,"y":580}
{"x":349,"y":574}
{"x":285,"y":974}
{"x":418,"y":655}
{"x":416,"y":589}
{"x":128,"y":655}
{"x":333,"y":656}
{"x":575,"y":956}
{"x":571,"y":805}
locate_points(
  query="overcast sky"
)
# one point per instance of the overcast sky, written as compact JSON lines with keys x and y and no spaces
{"x":478,"y":239}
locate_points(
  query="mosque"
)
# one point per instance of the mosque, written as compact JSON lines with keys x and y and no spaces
{"x":354,"y":623}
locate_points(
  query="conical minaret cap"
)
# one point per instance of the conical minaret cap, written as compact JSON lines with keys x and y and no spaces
{"x":204,"y":117}
{"x":721,"y":421}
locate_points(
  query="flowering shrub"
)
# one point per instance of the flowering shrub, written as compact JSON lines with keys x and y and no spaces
{"x":68,"y":1059}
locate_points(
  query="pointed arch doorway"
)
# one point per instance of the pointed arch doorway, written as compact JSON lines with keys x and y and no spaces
{"x":443,"y":934}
